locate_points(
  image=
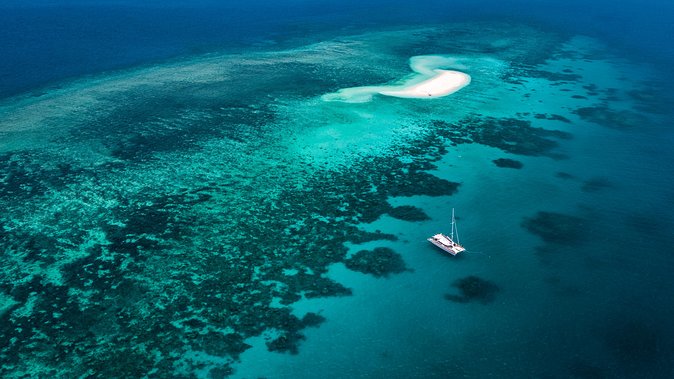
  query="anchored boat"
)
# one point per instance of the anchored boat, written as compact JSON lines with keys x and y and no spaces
{"x":446,"y":242}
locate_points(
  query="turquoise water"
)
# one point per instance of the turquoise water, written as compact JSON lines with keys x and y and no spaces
{"x":216,"y":213}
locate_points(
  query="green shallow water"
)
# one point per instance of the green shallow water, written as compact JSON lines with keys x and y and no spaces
{"x":198,"y":218}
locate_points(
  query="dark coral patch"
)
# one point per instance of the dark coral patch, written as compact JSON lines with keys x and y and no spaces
{"x":27,"y":174}
{"x":18,"y":179}
{"x":423,"y":183}
{"x":508,"y":163}
{"x":553,"y":117}
{"x":382,"y":261}
{"x":635,"y":343}
{"x":286,"y":343}
{"x":556,"y":228}
{"x":176,"y":119}
{"x":595,"y":184}
{"x":519,"y":137}
{"x":652,"y":99}
{"x":220,"y":372}
{"x":615,"y":119}
{"x":324,"y":287}
{"x":584,"y":370}
{"x":289,"y":341}
{"x":408,"y":213}
{"x":564,"y":175}
{"x":511,"y":135}
{"x":554,"y":76}
{"x":473,"y":288}
{"x":58,"y":316}
{"x":218,"y":344}
{"x":312,"y":319}
{"x":592,"y":89}
{"x":358,"y":236}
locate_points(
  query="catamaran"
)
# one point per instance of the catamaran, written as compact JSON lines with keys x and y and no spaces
{"x":446,"y":242}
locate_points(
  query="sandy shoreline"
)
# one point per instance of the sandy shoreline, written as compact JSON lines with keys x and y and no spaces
{"x":444,"y":83}
{"x":430,"y":81}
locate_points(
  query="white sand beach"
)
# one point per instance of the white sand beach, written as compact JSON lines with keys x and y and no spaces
{"x":444,"y":83}
{"x":428,"y":81}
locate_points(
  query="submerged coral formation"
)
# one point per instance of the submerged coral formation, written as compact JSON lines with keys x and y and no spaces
{"x":515,"y":136}
{"x":615,"y":119}
{"x":408,"y":213}
{"x":382,"y":261}
{"x":556,"y":228}
{"x":596,"y":184}
{"x":473,"y":288}
{"x":508,"y":163}
{"x":288,"y":341}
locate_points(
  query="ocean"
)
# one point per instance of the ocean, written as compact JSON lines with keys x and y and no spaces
{"x":244,"y":189}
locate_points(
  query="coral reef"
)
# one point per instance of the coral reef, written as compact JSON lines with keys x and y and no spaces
{"x":508,"y":163}
{"x":515,"y":136}
{"x":382,"y":261}
{"x":408,"y":213}
{"x":473,"y":288}
{"x":556,"y":228}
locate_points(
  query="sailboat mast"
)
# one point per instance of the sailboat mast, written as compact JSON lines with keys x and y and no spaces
{"x":452,"y":224}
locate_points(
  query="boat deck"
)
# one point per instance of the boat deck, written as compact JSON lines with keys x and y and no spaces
{"x":445,"y":243}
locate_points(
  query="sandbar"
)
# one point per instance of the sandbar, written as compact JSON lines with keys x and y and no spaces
{"x":431,"y":79}
{"x":444,"y":83}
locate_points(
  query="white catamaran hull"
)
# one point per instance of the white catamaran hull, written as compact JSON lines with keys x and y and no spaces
{"x":445,"y":243}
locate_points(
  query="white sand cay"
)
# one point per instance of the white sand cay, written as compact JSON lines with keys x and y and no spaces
{"x":429,"y":81}
{"x":444,"y":83}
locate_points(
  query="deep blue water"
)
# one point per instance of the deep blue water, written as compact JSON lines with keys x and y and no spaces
{"x":44,"y":42}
